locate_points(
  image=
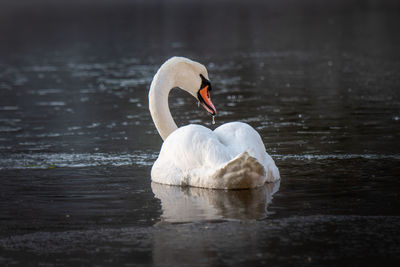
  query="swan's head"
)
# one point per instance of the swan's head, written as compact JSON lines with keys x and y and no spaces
{"x":192,"y":77}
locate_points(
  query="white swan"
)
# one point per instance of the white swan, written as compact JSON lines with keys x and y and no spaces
{"x":232,"y":156}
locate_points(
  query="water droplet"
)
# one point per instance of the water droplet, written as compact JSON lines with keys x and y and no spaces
{"x":198,"y":104}
{"x":213,"y":119}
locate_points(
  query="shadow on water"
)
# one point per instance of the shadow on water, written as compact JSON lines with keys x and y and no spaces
{"x":187,"y":204}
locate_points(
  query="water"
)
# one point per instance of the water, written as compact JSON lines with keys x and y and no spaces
{"x":319,"y":82}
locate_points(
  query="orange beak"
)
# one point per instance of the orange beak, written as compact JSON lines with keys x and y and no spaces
{"x":205,"y":100}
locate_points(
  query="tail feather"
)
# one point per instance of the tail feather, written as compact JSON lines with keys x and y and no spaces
{"x":244,"y":171}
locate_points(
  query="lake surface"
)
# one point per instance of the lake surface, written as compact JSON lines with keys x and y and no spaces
{"x":319,"y":82}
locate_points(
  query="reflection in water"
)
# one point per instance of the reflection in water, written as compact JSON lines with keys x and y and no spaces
{"x":187,"y":204}
{"x":175,"y":246}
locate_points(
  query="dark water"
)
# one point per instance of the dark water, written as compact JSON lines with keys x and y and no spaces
{"x":319,"y":81}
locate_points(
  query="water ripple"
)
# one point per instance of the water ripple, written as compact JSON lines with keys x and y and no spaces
{"x":337,"y":156}
{"x":53,"y":160}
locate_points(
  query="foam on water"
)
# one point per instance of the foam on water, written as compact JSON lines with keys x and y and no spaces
{"x":8,"y":108}
{"x":51,"y":160}
{"x":76,"y":160}
{"x":337,"y":156}
{"x":51,"y":103}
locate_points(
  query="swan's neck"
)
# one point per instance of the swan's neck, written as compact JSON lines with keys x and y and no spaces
{"x":158,"y":104}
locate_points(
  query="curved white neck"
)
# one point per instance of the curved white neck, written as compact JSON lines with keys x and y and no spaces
{"x":158,"y":103}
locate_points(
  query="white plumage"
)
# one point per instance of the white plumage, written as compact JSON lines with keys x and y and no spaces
{"x":232,"y":156}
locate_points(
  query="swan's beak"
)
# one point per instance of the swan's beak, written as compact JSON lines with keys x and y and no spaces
{"x":205,"y":99}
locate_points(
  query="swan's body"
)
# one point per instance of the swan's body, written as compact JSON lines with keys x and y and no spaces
{"x":232,"y":156}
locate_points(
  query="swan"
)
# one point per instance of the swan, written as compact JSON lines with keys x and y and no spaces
{"x":232,"y":156}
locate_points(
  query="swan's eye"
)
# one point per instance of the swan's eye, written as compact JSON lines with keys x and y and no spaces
{"x":204,"y":83}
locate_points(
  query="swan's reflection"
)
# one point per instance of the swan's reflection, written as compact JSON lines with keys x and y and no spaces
{"x":187,"y":204}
